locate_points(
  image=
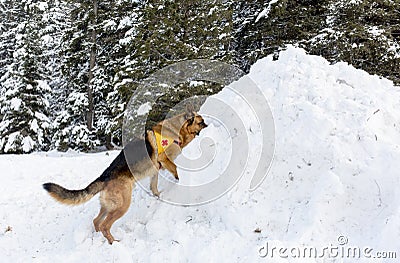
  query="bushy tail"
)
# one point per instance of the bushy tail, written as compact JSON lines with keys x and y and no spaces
{"x":74,"y":197}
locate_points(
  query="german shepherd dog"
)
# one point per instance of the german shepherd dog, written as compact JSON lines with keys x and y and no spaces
{"x":139,"y":159}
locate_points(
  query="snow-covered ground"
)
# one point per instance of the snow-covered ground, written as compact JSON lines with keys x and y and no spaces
{"x":333,"y":183}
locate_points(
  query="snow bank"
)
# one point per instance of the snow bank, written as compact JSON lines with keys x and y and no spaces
{"x":335,"y":174}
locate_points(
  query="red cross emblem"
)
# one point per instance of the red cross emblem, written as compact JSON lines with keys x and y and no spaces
{"x":164,"y":142}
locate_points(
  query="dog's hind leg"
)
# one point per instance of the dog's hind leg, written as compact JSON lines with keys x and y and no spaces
{"x":117,"y":200}
{"x":99,"y":218}
{"x":110,"y":219}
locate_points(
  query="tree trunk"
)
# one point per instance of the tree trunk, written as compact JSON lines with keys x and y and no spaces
{"x":109,"y":145}
{"x":90,"y":112}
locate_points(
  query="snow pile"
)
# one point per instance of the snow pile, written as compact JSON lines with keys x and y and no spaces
{"x":335,"y":173}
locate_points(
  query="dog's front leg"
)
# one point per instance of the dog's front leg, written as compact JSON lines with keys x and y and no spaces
{"x":168,"y":164}
{"x":157,"y":165}
{"x":154,"y":185}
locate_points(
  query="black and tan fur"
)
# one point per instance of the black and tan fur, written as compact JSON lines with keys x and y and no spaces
{"x":116,"y":183}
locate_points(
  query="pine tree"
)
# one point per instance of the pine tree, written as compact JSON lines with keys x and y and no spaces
{"x":25,"y":125}
{"x":8,"y":18}
{"x":360,"y":33}
{"x":172,"y":31}
{"x":54,"y":23}
{"x":117,"y":22}
{"x":265,"y":27}
{"x":94,"y":55}
{"x":74,"y":64}
{"x":246,"y":37}
{"x":71,"y":124}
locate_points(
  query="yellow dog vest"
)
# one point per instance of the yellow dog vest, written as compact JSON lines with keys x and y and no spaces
{"x":164,"y":142}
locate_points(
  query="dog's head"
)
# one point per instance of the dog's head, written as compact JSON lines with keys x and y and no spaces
{"x":194,"y":123}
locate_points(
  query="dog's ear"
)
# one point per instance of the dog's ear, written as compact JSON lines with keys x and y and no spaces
{"x":189,"y":112}
{"x":190,"y":121}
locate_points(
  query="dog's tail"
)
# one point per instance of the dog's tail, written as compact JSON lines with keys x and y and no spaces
{"x":74,"y":197}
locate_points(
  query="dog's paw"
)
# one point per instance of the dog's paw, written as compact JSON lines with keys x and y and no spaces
{"x":156,"y":194}
{"x":155,"y":191}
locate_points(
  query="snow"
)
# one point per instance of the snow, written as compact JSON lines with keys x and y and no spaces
{"x":27,"y":144}
{"x":266,"y":11}
{"x":43,"y":85}
{"x":334,"y":178}
{"x":34,"y":126}
{"x":125,"y":23}
{"x":195,"y":83}
{"x":47,"y":39}
{"x":15,"y":104}
{"x":21,"y":52}
{"x":376,"y":31}
{"x":212,"y":10}
{"x":42,"y":6}
{"x":11,"y":141}
{"x":222,"y":36}
{"x":355,"y":2}
{"x":144,"y":109}
{"x":43,"y":117}
{"x":110,"y":25}
{"x":123,"y":82}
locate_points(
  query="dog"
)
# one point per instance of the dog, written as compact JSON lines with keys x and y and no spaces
{"x":140,"y":158}
{"x":172,"y":135}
